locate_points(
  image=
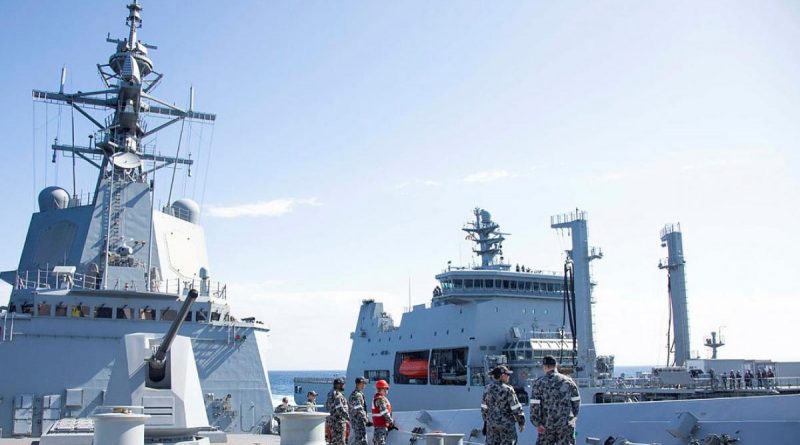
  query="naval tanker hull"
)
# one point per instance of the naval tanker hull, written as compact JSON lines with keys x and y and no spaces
{"x":58,"y":368}
{"x":757,"y":420}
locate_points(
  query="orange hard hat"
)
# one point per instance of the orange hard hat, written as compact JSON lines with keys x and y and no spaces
{"x":381,"y":384}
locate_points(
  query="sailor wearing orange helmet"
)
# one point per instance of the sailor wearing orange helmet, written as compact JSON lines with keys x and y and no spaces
{"x":381,"y":413}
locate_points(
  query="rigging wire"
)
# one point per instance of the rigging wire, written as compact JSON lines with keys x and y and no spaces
{"x":670,"y":340}
{"x":199,"y":155}
{"x":33,"y":149}
{"x":58,"y":134}
{"x":175,"y":164}
{"x":208,"y":164}
{"x":74,"y":186}
{"x":46,"y":137}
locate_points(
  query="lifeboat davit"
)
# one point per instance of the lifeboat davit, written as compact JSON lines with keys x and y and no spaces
{"x":414,"y":368}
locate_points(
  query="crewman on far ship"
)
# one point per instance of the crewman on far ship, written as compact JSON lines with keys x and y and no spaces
{"x":358,"y":413}
{"x":501,"y":411}
{"x":311,"y":401}
{"x":381,"y":413}
{"x":555,"y":402}
{"x":336,"y":405}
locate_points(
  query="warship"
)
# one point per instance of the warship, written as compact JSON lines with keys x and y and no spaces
{"x":96,"y":268}
{"x":439,"y":357}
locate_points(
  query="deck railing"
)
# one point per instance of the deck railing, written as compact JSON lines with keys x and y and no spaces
{"x":40,"y":279}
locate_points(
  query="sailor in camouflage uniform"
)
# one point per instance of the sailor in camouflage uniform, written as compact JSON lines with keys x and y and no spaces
{"x":358,"y":413}
{"x":501,"y":410}
{"x":336,"y":405}
{"x":381,"y":413}
{"x":554,"y":406}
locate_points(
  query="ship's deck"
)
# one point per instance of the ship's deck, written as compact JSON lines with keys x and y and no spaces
{"x":233,"y":439}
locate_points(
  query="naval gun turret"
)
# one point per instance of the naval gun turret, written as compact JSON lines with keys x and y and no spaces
{"x":157,"y":363}
{"x":159,"y":374}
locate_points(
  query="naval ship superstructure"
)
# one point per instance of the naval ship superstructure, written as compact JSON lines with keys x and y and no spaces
{"x":438,"y":357}
{"x":93,"y":270}
{"x":481,"y":316}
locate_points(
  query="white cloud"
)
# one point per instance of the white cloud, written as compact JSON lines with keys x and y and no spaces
{"x":488,"y":176}
{"x":276,"y":207}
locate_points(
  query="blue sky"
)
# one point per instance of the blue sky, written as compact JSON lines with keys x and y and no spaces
{"x":355,"y":138}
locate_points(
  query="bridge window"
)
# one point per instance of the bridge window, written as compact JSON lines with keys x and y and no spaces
{"x":457,"y":284}
{"x":448,"y":366}
{"x":188,"y":316}
{"x":169,"y":314}
{"x":527,"y":285}
{"x":79,"y":311}
{"x":103,"y":312}
{"x":43,"y":310}
{"x":147,"y":313}
{"x":200,"y":316}
{"x":514,"y":285}
{"x":124,"y":313}
{"x":489,"y":284}
{"x":411,"y":367}
{"x":505,"y":284}
{"x":536,"y":287}
{"x":468,"y":284}
{"x":373,"y":375}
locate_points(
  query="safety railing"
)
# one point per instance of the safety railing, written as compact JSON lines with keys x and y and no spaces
{"x":41,"y":279}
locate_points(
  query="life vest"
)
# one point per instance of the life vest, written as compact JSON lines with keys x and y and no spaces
{"x":377,"y":416}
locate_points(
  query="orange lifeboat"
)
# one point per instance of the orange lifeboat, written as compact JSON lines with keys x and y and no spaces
{"x":414,"y":368}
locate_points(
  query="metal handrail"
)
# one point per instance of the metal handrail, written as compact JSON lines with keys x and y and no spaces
{"x":39,"y":279}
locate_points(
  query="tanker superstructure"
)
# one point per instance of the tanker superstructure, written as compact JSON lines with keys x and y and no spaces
{"x":479,"y":316}
{"x":96,"y":268}
{"x":438,"y":357}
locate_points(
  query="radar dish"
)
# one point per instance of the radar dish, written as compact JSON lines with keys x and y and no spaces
{"x":126,"y":160}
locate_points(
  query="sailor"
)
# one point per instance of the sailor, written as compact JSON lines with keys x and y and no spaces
{"x":501,"y":410}
{"x":284,"y":407}
{"x":358,"y":413}
{"x":554,"y":406}
{"x":381,"y":413}
{"x":311,"y":401}
{"x":336,"y":405}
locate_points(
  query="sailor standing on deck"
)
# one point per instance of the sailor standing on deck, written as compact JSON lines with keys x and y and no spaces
{"x":501,"y":410}
{"x":555,"y":402}
{"x":311,"y":401}
{"x":381,"y":413}
{"x":358,"y":413}
{"x":336,"y":405}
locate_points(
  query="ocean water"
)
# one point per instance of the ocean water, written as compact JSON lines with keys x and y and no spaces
{"x":283,"y":384}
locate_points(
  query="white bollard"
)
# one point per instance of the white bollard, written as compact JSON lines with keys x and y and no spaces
{"x":303,"y":428}
{"x":119,"y":426}
{"x":444,"y":439}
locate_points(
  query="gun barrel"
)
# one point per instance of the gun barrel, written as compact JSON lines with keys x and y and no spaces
{"x":161,"y":354}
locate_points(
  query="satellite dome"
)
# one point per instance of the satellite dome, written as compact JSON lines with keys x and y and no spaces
{"x":486,"y":216}
{"x":52,"y":198}
{"x":187,"y":210}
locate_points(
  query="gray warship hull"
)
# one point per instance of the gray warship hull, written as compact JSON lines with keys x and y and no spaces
{"x":752,"y":420}
{"x":54,"y":369}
